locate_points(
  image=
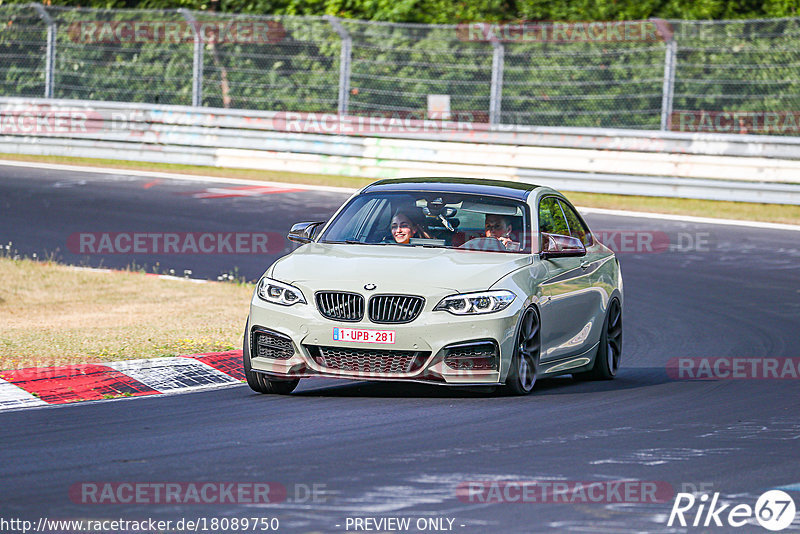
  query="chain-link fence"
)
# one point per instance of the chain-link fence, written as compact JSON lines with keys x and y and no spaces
{"x":731,"y":76}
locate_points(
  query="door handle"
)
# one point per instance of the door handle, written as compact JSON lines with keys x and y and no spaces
{"x":585,"y":265}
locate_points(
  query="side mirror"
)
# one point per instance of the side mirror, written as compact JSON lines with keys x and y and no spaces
{"x":304,"y":232}
{"x":561,"y":246}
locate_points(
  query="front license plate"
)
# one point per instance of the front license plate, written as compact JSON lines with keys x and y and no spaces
{"x":353,"y":335}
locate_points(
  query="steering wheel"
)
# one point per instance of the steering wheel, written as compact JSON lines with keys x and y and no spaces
{"x":484,"y":243}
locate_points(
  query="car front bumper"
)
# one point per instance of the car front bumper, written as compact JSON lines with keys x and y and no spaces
{"x":435,"y":339}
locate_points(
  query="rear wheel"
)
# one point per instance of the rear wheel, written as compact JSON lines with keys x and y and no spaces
{"x":525,"y":362}
{"x":259,"y":382}
{"x":609,"y":352}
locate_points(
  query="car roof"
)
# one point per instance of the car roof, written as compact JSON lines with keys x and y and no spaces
{"x":477,"y":186}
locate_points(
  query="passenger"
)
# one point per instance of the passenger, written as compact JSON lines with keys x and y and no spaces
{"x":404,"y":228}
{"x":499,"y":227}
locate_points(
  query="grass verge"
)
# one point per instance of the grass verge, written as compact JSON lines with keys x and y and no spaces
{"x":678,"y":206}
{"x":53,"y":314}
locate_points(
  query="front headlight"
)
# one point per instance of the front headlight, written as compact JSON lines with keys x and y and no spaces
{"x":279,"y":293}
{"x":476,"y":303}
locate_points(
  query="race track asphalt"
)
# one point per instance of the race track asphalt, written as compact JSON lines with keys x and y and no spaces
{"x":383,"y":450}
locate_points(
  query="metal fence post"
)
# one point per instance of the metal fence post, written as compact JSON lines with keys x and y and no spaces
{"x":197,"y":62}
{"x":50,"y":51}
{"x":670,"y":60}
{"x":345,"y":59}
{"x":496,"y":90}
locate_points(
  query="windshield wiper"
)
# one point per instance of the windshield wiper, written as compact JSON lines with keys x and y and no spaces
{"x":426,"y":245}
{"x":350,"y":242}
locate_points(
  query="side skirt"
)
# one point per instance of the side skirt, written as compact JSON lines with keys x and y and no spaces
{"x":570,"y":364}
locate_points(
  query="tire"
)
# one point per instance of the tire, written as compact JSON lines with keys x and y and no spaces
{"x":260,"y":383}
{"x":609,"y":351}
{"x":525,"y":361}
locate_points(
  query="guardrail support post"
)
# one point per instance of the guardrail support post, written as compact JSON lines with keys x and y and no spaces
{"x":496,"y":90}
{"x":345,"y":59}
{"x":50,"y":51}
{"x":197,"y":62}
{"x":670,"y":60}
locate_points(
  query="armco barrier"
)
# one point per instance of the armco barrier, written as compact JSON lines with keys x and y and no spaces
{"x":709,"y":166}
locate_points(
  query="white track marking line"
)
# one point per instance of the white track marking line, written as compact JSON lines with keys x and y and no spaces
{"x":122,"y":271}
{"x":174,"y":176}
{"x":690,"y":218}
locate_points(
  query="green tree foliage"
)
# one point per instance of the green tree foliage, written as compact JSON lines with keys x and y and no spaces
{"x":747,"y":66}
{"x":448,"y":11}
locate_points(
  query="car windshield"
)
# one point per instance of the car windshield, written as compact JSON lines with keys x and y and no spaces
{"x":433,"y":219}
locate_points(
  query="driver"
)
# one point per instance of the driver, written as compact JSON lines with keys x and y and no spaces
{"x":499,"y":227}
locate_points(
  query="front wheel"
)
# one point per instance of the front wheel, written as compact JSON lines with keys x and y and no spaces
{"x":609,"y":352}
{"x":525,"y":361}
{"x":260,"y":383}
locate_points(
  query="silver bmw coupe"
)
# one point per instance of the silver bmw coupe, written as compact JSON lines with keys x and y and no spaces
{"x":451,"y":281}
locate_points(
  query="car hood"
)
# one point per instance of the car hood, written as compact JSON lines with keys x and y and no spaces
{"x":392,"y":267}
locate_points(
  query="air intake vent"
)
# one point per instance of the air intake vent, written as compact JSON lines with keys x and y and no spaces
{"x":340,"y":306}
{"x":266,"y":344}
{"x":368,"y":360}
{"x":474,"y":356}
{"x":395,"y":309}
